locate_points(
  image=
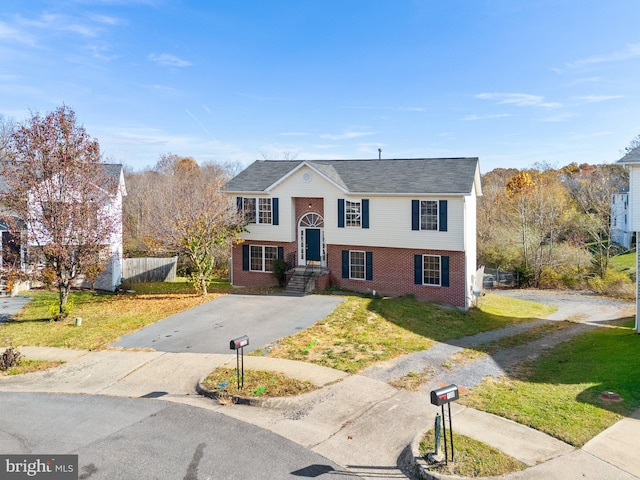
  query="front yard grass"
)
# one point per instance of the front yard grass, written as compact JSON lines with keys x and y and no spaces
{"x":105,"y":316}
{"x":257,"y":383}
{"x":471,"y":458}
{"x":364,"y":330}
{"x":559,"y":393}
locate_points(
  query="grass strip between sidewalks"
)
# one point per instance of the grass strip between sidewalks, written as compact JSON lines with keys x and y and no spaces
{"x":559,"y":393}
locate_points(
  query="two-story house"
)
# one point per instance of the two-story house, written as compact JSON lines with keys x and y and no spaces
{"x":396,"y":227}
{"x":17,"y":251}
{"x":632,"y":161}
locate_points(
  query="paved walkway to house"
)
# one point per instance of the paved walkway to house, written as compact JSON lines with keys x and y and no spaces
{"x":357,"y":421}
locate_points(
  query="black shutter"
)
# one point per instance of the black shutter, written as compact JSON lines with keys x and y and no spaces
{"x":239,"y":204}
{"x":365,"y":213}
{"x":369,"y":265}
{"x":345,"y":263}
{"x":245,"y":257}
{"x":275,"y":211}
{"x":442,"y":214}
{"x":444,"y":271}
{"x":417,"y":269}
{"x":415,"y":215}
{"x":341,"y":213}
{"x":281,"y":253}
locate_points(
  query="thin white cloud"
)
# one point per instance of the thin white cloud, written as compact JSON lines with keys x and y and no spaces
{"x":561,"y":117}
{"x":167,"y":60}
{"x":107,"y":20}
{"x":486,"y":117}
{"x":397,"y":109}
{"x":630,"y":52}
{"x":596,"y":98}
{"x":294,"y":134}
{"x":518,"y":99}
{"x":345,"y":135}
{"x":11,"y":33}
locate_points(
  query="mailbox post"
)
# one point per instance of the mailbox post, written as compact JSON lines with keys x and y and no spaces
{"x":238,"y":345}
{"x":441,"y":397}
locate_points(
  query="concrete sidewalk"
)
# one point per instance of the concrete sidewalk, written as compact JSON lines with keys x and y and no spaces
{"x":363,"y":424}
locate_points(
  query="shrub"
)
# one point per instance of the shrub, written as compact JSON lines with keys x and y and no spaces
{"x":614,"y":284}
{"x":56,"y":314}
{"x":280,"y":268}
{"x":10,"y":358}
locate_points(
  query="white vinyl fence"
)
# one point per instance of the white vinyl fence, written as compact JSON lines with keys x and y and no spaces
{"x":149,"y":269}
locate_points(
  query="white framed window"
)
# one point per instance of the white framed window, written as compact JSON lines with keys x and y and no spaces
{"x":431,"y":270}
{"x":257,"y":210}
{"x":264,"y":210}
{"x":249,"y":209}
{"x":352,"y":214}
{"x":429,"y":215}
{"x":261,"y":257}
{"x":357,"y":265}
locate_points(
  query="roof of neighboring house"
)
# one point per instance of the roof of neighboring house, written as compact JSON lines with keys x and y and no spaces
{"x":387,"y":176}
{"x":113,"y":171}
{"x":632,"y":157}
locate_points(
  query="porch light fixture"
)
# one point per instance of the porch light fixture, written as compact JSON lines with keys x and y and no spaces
{"x":310,"y":205}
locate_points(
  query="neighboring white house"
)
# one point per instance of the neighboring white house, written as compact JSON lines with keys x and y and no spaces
{"x":632,"y":161}
{"x":111,"y":277}
{"x":621,"y":233}
{"x":404,"y":226}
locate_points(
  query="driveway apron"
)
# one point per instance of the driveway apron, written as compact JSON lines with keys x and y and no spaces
{"x":208,"y":328}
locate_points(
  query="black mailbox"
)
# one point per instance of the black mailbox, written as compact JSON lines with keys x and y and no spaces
{"x":239,"y":342}
{"x":444,"y":395}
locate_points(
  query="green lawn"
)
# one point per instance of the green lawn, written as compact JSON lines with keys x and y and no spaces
{"x":625,"y":262}
{"x":364,"y":330}
{"x":560,"y":393}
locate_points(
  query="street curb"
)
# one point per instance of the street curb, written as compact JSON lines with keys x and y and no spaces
{"x":417,"y":464}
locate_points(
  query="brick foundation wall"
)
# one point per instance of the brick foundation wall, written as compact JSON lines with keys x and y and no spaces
{"x":393,"y":274}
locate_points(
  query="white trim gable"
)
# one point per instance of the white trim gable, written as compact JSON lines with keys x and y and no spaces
{"x":293,"y":171}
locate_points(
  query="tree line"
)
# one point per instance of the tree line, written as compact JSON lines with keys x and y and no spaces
{"x":551,"y":225}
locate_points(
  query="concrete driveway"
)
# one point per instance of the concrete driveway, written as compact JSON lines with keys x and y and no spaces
{"x":208,"y":328}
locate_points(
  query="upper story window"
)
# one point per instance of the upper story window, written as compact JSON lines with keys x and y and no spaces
{"x":352,"y":214}
{"x":259,"y":210}
{"x":428,"y":215}
{"x":264,"y":210}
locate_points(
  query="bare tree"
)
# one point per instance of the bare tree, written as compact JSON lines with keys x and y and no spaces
{"x":59,"y":188}
{"x":197,"y":218}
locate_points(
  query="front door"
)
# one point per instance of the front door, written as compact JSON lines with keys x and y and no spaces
{"x":312,"y":244}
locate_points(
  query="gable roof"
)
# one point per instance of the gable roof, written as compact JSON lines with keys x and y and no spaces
{"x":388,"y":176}
{"x":631,"y":158}
{"x":113,"y":171}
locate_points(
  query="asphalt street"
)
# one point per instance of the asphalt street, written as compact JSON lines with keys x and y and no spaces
{"x":140,"y":439}
{"x":208,"y":328}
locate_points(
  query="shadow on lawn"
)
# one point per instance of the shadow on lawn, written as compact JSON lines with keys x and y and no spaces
{"x":603,"y":353}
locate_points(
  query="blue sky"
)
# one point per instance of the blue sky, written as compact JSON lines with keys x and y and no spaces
{"x":512,"y":82}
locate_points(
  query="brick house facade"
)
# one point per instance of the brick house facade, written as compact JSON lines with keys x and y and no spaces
{"x":395,"y":227}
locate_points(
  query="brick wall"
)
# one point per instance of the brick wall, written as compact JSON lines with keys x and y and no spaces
{"x":393,"y":274}
{"x":302,"y":207}
{"x":245,"y":278}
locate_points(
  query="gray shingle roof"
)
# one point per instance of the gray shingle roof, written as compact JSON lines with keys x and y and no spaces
{"x":631,"y":157}
{"x":387,"y":176}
